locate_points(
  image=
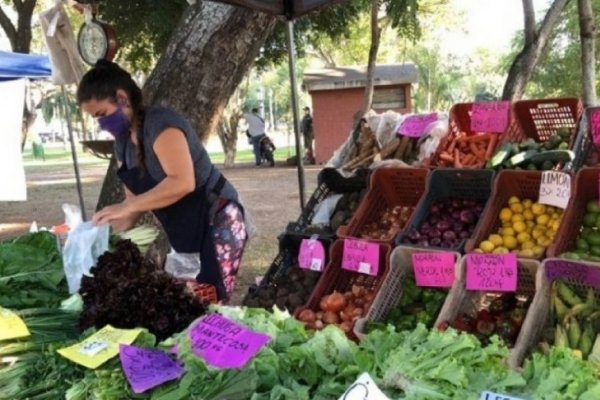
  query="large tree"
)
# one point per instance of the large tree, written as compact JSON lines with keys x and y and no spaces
{"x":19,"y":32}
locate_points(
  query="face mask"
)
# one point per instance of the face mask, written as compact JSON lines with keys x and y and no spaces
{"x":116,"y":123}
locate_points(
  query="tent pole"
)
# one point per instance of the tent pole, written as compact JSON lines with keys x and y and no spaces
{"x":292,"y":68}
{"x":73,"y":151}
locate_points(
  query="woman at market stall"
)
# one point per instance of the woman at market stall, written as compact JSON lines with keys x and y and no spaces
{"x":166,"y":170}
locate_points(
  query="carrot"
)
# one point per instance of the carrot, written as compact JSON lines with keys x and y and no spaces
{"x":491,"y":146}
{"x":446,"y":157}
{"x":476,"y":150}
{"x":479,"y":138}
{"x":452,"y":145}
{"x":457,"y":162}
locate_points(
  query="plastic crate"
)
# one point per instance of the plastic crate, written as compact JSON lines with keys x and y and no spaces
{"x":522,"y":184}
{"x":389,"y":187}
{"x":584,"y":189}
{"x":330,"y":181}
{"x":586,"y":152}
{"x":286,"y":258}
{"x":446,"y":183}
{"x":460,"y":300}
{"x":578,"y":275}
{"x":390,"y":293}
{"x":460,"y":121}
{"x":540,"y":119}
{"x":336,"y":278}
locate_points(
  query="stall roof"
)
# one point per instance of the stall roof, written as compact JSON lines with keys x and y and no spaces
{"x":17,"y":65}
{"x":356,"y":76}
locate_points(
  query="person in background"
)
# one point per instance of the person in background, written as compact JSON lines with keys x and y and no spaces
{"x":166,"y":170}
{"x":256,"y":131}
{"x":308,"y":134}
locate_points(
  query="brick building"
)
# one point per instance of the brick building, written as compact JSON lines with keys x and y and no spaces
{"x":337,"y":94}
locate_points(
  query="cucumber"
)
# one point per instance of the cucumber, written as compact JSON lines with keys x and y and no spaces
{"x":554,"y":156}
{"x":522,"y":157}
{"x":501,"y":155}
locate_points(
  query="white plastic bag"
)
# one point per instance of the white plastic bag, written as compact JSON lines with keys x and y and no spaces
{"x":183,"y":265}
{"x":325,"y":210}
{"x":85,"y":243}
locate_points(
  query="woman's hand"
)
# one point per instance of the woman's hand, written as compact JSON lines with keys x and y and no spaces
{"x":115,"y":213}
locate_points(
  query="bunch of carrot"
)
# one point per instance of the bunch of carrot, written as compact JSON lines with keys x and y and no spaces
{"x":468,"y":151}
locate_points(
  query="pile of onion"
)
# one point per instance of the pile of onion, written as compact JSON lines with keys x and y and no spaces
{"x":340,"y":309}
{"x":390,"y":222}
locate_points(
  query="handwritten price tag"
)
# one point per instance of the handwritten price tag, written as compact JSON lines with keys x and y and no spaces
{"x":100,"y":347}
{"x":364,"y":388}
{"x":573,"y":271}
{"x":495,"y":396}
{"x":434,"y":269}
{"x":11,"y":326}
{"x":555,"y":189}
{"x":490,"y":117}
{"x":147,"y":368}
{"x":595,"y":126}
{"x":492,"y":272}
{"x":223,"y":343}
{"x":361,"y":256}
{"x":311,"y":255}
{"x":415,"y":125}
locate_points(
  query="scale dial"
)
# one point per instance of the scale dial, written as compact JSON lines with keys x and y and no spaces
{"x":96,"y":41}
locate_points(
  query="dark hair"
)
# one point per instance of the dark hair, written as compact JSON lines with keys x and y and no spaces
{"x":255,"y":110}
{"x":306,"y":109}
{"x":102,"y":83}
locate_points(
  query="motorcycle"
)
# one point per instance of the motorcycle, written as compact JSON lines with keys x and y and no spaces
{"x":267,"y":149}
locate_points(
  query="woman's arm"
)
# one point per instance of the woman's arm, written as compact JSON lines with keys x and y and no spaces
{"x":126,"y":223}
{"x":174,"y":155}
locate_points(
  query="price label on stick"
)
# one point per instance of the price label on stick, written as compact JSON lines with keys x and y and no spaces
{"x":595,"y":126}
{"x":223,"y":343}
{"x":495,"y":396}
{"x":364,"y":388}
{"x":361,"y":256}
{"x":311,"y":255}
{"x":490,"y":117}
{"x":11,"y":326}
{"x":415,"y":125}
{"x":434,"y":269}
{"x":148,"y":368}
{"x":555,"y":189}
{"x":492,"y":272}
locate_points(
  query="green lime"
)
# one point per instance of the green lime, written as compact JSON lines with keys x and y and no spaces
{"x":593,"y":206}
{"x":590,"y":220}
{"x":593,"y":239}
{"x":563,"y":146}
{"x":585,"y":232}
{"x":595,"y":250}
{"x":571,"y":256}
{"x":581,"y":244}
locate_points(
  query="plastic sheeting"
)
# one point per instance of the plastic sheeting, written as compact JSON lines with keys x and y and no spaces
{"x":12,"y":174}
{"x":16,"y":66}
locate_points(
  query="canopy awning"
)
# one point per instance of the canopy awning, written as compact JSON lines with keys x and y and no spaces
{"x":16,"y":65}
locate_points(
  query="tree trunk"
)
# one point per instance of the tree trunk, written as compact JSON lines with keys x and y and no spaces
{"x":227,"y":131}
{"x":587,"y":31}
{"x":19,"y":36}
{"x":524,"y":64}
{"x":372,"y":62}
{"x":208,"y":56}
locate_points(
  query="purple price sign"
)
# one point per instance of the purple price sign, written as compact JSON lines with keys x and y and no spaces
{"x":434,"y":269}
{"x":573,"y":271}
{"x":595,"y":126}
{"x":361,"y":256}
{"x":490,"y":117}
{"x":492,"y":272}
{"x":225,"y":344}
{"x":415,"y":125}
{"x":311,"y":255}
{"x":148,"y":368}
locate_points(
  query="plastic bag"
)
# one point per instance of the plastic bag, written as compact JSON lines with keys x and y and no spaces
{"x":325,"y":209}
{"x":387,"y":128}
{"x":85,"y":243}
{"x":183,"y":265}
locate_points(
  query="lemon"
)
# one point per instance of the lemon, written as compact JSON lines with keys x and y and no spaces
{"x":555,"y":225}
{"x":508,"y":231}
{"x":527,"y":203}
{"x":517,"y":218}
{"x":519,"y":226}
{"x":516,"y":208}
{"x":530,"y":225}
{"x":527,"y":253}
{"x":528,"y":245}
{"x":500,"y":250}
{"x":538,"y":209}
{"x":542,"y":219}
{"x":496,"y":240}
{"x":510,"y":242}
{"x":486,"y":246}
{"x":505,"y":215}
{"x":478,"y":251}
{"x":538,"y":251}
{"x":528,"y":215}
{"x":536,"y":233}
{"x":544,"y":241}
{"x":523,"y":237}
{"x":514,"y":199}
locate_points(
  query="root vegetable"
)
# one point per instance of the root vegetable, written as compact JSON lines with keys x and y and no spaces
{"x":307,"y":316}
{"x":330,"y":318}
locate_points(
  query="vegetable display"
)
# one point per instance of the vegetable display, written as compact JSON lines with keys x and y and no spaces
{"x":288,"y":291}
{"x":448,"y":223}
{"x":390,"y":221}
{"x":418,"y":305}
{"x":342,"y":214}
{"x":128,"y":291}
{"x":587,"y":244}
{"x":531,"y":155}
{"x":528,"y":228}
{"x":468,"y":151}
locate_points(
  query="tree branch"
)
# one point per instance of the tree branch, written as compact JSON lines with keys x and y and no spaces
{"x":551,"y":18}
{"x":18,"y":4}
{"x":8,"y":27}
{"x":529,"y":16}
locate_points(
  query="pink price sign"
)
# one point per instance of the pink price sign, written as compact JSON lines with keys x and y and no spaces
{"x":595,"y":126}
{"x":415,"y":125}
{"x":434,"y":269}
{"x":573,"y":271}
{"x":492,"y":272}
{"x":361,"y":256}
{"x":148,"y":368}
{"x":490,"y":117}
{"x":311,"y":255}
{"x":223,"y":343}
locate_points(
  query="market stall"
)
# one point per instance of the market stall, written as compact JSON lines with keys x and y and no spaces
{"x":401,"y":279}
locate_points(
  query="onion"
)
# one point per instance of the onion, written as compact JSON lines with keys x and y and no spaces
{"x":414,"y":235}
{"x":345,"y":316}
{"x":318,"y":324}
{"x":358,"y":291}
{"x":369,"y":296}
{"x":458,"y":226}
{"x":423,"y":243}
{"x":357,"y":312}
{"x":435,"y":242}
{"x":359,"y":301}
{"x":330,"y":318}
{"x":346,"y":326}
{"x":336,"y":302}
{"x":324,"y":303}
{"x":434,"y":220}
{"x":467,"y":217}
{"x":449,"y":236}
{"x":307,"y":316}
{"x":319,"y":315}
{"x":425,"y":225}
{"x":464,"y":235}
{"x":434,"y":233}
{"x":443,"y":226}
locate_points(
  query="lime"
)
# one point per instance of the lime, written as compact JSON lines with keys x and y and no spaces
{"x":595,"y":250}
{"x":593,"y":239}
{"x":581,"y":244}
{"x":592,"y":206}
{"x":589,"y":220}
